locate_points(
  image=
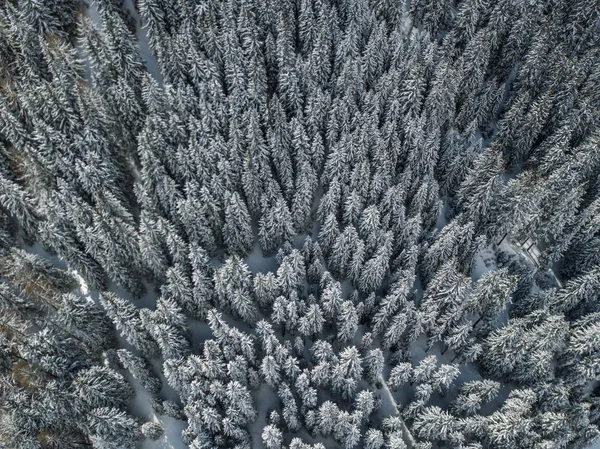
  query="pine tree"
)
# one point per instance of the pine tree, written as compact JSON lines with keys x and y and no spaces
{"x":85,"y":321}
{"x":329,"y":233}
{"x":342,"y":250}
{"x":233,"y":288}
{"x":272,"y":437}
{"x":512,"y":424}
{"x":451,"y":243}
{"x":473,"y":395}
{"x":348,"y":372}
{"x":444,"y":301}
{"x":424,"y":370}
{"x":492,"y":293}
{"x":291,"y":273}
{"x":152,"y":430}
{"x":237,"y":232}
{"x":577,"y":292}
{"x":579,"y":358}
{"x":128,"y":323}
{"x":400,"y":374}
{"x":102,"y":387}
{"x":302,"y":203}
{"x":375,"y":269}
{"x":396,"y":329}
{"x":166,"y":325}
{"x":311,"y":324}
{"x":290,"y":409}
{"x":140,"y":370}
{"x":480,"y":186}
{"x":435,"y":424}
{"x":275,"y":228}
{"x":112,"y":428}
{"x":331,"y":299}
{"x":443,"y":377}
{"x":374,"y":363}
{"x":347,"y":321}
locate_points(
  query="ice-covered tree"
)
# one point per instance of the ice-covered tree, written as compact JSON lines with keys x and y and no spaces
{"x":481,"y":185}
{"x":275,"y":228}
{"x":435,"y":424}
{"x":272,"y":437}
{"x":492,"y":293}
{"x":128,"y":323}
{"x":152,"y":430}
{"x":445,"y":299}
{"x":237,"y":231}
{"x":473,"y":395}
{"x":166,"y":325}
{"x":140,"y":369}
{"x":102,"y":387}
{"x":400,"y":374}
{"x":347,"y":321}
{"x":233,"y":287}
{"x":374,"y":363}
{"x":443,"y":377}
{"x":374,"y":439}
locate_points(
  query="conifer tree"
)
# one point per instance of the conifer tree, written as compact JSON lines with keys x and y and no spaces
{"x":237,"y":232}
{"x":399,"y":375}
{"x":492,"y":293}
{"x":140,"y":370}
{"x":347,"y":321}
{"x":102,"y":387}
{"x":272,"y":437}
{"x":128,"y":323}
{"x":112,"y":428}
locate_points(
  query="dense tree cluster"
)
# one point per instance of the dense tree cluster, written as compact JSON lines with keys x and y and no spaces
{"x":312,"y":184}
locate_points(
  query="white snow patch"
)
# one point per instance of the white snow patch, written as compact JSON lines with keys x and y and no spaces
{"x":485,"y":260}
{"x":390,"y":408}
{"x":257,"y":263}
{"x":140,"y":406}
{"x":441,"y":219}
{"x":595,"y":444}
{"x":266,"y":401}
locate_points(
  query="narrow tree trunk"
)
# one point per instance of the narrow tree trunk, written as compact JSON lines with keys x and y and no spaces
{"x":501,"y":240}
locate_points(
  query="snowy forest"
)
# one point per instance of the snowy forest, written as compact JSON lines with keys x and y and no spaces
{"x":299,"y":224}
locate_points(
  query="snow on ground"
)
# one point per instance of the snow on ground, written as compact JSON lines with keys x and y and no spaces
{"x":441,"y":219}
{"x":171,"y":439}
{"x":83,"y":287}
{"x":257,"y":263}
{"x":266,"y":401}
{"x":39,"y":251}
{"x":595,"y":445}
{"x":390,"y":408}
{"x":141,"y":407}
{"x":347,"y":289}
{"x":485,"y":260}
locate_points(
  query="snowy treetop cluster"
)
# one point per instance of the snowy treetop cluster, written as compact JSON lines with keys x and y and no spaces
{"x":299,"y":224}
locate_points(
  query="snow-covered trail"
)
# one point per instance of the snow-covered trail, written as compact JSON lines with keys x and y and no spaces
{"x":390,"y":408}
